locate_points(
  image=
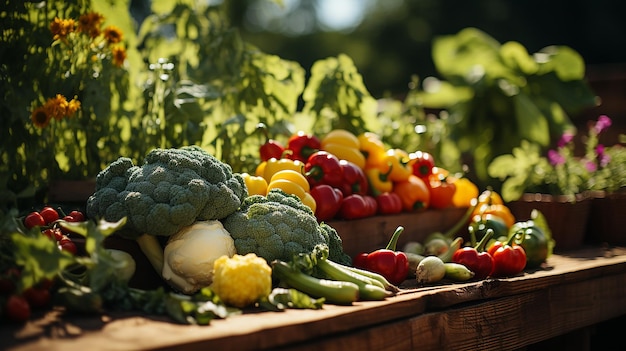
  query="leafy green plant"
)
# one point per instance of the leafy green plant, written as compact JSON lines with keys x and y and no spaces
{"x":561,"y":171}
{"x":63,"y":80}
{"x":184,"y":78}
{"x":497,"y":94}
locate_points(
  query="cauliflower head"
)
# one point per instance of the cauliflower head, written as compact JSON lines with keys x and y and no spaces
{"x":190,"y":254}
{"x":279,"y":226}
{"x":172,"y":189}
{"x":241,"y":280}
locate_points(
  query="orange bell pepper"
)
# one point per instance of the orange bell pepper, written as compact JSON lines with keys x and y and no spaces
{"x":414,"y":193}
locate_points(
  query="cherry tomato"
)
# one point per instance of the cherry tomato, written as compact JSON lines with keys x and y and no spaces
{"x":49,"y":214}
{"x":53,"y":233}
{"x":67,"y":244}
{"x":34,"y":219}
{"x":8,"y":279}
{"x":77,"y":216}
{"x":37,"y":297}
{"x":17,"y":308}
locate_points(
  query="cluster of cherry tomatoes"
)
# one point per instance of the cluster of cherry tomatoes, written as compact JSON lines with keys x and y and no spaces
{"x":47,"y":219}
{"x":17,"y":306}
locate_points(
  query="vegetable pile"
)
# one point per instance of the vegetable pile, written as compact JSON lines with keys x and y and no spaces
{"x":342,"y":175}
{"x":223,"y":243}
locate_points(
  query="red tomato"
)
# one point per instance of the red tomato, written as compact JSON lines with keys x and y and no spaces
{"x":34,"y":219}
{"x":77,"y":216}
{"x":54,"y":233}
{"x":17,"y":308}
{"x":49,"y":214}
{"x":67,"y":244}
{"x":37,"y":297}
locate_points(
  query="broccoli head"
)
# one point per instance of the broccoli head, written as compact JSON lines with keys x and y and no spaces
{"x":279,"y":226}
{"x":172,"y":189}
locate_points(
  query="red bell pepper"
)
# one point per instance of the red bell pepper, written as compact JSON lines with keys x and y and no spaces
{"x":323,"y":167}
{"x":476,"y":258}
{"x":509,"y":258}
{"x":389,"y":203}
{"x":354,"y":179}
{"x":391,"y":264}
{"x":357,"y":206}
{"x":422,"y":163}
{"x":301,"y":145}
{"x":328,"y":201}
{"x":271,"y":148}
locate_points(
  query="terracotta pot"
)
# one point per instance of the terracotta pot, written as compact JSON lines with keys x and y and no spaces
{"x":607,"y":219}
{"x":567,"y":219}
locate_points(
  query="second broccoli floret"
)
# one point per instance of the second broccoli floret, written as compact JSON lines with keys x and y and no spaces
{"x":279,"y":226}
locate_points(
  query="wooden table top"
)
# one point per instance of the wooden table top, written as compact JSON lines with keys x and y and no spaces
{"x":573,"y":290}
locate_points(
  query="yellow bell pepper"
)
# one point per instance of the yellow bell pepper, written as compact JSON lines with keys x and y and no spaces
{"x":400,"y":163}
{"x":274,"y":165}
{"x":287,"y":186}
{"x":379,"y":182}
{"x":345,"y":145}
{"x":372,"y":148}
{"x":292,"y":176}
{"x":260,"y":169}
{"x":341,"y":136}
{"x":256,"y":185}
{"x":310,"y":202}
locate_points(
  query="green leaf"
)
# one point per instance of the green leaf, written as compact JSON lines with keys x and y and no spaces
{"x":39,"y":257}
{"x":531,"y":123}
{"x":563,"y":60}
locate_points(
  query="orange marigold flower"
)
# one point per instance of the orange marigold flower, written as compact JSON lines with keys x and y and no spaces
{"x":40,"y":117}
{"x":72,"y":107}
{"x":119,"y":55}
{"x":113,"y":35}
{"x":61,"y":28}
{"x":90,"y":23}
{"x":56,"y":107}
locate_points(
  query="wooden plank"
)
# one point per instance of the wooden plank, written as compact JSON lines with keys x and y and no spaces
{"x":546,"y":302}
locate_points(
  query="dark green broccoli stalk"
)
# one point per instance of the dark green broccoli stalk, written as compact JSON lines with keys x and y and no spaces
{"x":171,"y":190}
{"x":279,"y":226}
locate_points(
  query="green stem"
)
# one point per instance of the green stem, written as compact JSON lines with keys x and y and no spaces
{"x":394,"y":239}
{"x":151,"y":247}
{"x":451,"y":233}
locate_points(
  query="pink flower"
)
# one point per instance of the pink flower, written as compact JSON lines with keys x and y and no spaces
{"x":566,"y":138}
{"x":590,"y":165}
{"x":555,"y":158}
{"x":603,"y":123}
{"x":602,"y":156}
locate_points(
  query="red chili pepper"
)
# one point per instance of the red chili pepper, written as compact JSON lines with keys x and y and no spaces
{"x":356,"y":206}
{"x":422,"y":163}
{"x":323,"y":167}
{"x":354,"y":179}
{"x":475,"y":258}
{"x":509,"y":258}
{"x":389,"y":203}
{"x":391,"y":264}
{"x":302,"y":145}
{"x":328,"y":201}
